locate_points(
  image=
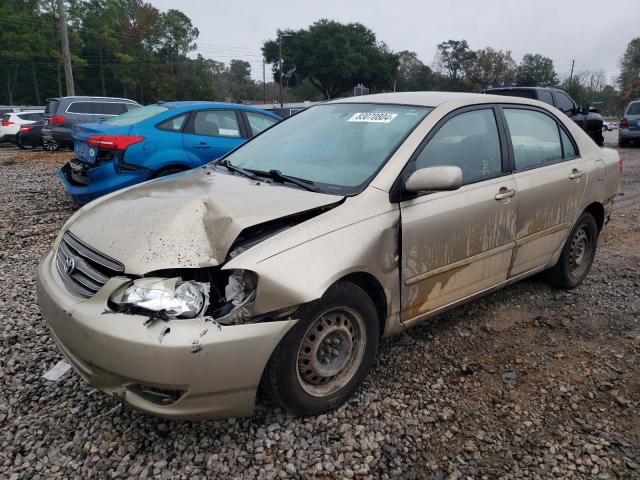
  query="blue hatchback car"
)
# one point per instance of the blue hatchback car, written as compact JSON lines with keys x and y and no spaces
{"x":154,"y":141}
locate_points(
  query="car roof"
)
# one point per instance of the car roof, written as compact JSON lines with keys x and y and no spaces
{"x":97,"y":99}
{"x":433,"y":99}
{"x":205,"y":104}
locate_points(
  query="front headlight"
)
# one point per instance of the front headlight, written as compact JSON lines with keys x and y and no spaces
{"x":172,"y":297}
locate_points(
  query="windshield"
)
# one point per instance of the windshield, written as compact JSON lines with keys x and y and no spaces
{"x":337,"y":146}
{"x":135,"y":116}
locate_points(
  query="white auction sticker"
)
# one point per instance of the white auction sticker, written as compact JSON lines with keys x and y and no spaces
{"x":373,"y":117}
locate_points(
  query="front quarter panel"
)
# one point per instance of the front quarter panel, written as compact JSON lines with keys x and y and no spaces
{"x":298,"y":265}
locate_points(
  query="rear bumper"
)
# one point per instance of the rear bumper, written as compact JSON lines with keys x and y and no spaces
{"x":8,"y":138}
{"x":99,"y":180}
{"x":627,"y":134}
{"x":215,"y":370}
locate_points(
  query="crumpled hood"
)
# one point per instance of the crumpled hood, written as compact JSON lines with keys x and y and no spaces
{"x":186,"y":220}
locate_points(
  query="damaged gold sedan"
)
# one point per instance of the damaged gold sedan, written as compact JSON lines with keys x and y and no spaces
{"x":286,"y":261}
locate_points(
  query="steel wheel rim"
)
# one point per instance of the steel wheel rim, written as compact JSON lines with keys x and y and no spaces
{"x":580,"y":251}
{"x":331,"y":351}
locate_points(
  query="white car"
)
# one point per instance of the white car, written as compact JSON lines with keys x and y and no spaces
{"x":609,"y":126}
{"x":11,"y":123}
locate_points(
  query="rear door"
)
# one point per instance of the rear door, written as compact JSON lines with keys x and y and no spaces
{"x":550,"y":177}
{"x":210,"y":134}
{"x":456,"y":244}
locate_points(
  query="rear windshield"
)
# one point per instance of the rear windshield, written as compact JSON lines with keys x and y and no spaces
{"x":91,"y":108}
{"x":137,"y":115}
{"x":634,"y":109}
{"x":113,"y":108}
{"x":513,"y":93}
{"x":52,"y":106}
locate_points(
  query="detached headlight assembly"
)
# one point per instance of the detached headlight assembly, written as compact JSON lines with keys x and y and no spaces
{"x":172,"y":297}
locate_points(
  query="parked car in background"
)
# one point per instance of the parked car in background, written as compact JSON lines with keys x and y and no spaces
{"x":11,"y":123}
{"x":17,"y":108}
{"x":155,"y":141}
{"x":30,"y":136}
{"x":285,"y":262}
{"x":588,"y":118}
{"x":629,"y":130}
{"x":609,"y":126}
{"x":61,"y":114}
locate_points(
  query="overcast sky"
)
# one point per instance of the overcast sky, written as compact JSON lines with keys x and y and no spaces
{"x":593,"y":32}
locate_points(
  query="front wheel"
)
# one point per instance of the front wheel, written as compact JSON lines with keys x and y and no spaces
{"x":577,"y":254}
{"x":325,"y":357}
{"x":50,"y":146}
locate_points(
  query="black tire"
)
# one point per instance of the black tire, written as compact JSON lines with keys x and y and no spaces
{"x":293,"y":383}
{"x":50,"y":146}
{"x":622,"y":143}
{"x":166,"y":171}
{"x":577,"y":254}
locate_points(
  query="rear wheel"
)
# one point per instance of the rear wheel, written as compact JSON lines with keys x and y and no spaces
{"x":50,"y":146}
{"x":326,"y":355}
{"x":577,"y":254}
{"x":622,"y":142}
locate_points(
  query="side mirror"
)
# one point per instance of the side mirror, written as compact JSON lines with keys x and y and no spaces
{"x":584,"y":110}
{"x":434,"y":179}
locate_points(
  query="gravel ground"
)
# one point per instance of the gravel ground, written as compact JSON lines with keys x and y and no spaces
{"x":529,"y":382}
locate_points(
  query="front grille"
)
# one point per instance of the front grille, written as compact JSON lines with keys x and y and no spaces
{"x":83,"y":269}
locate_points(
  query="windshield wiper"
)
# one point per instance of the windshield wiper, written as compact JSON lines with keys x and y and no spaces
{"x":233,"y":168}
{"x":278,"y":175}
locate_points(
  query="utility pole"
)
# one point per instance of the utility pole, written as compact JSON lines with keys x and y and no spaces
{"x":573,"y":62}
{"x":264,"y":83}
{"x":64,"y":41}
{"x":280,"y":35}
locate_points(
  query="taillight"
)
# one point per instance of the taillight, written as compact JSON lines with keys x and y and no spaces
{"x":6,"y":123}
{"x":25,"y":129}
{"x":624,"y":123}
{"x":57,"y":120}
{"x":113,"y":142}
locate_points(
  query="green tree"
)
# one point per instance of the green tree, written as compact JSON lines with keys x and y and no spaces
{"x":413,"y":75}
{"x":492,"y":68}
{"x":333,"y":57}
{"x":455,"y":59}
{"x":629,"y":80}
{"x":536,"y":71}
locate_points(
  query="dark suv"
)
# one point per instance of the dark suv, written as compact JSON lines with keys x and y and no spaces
{"x":588,"y":118}
{"x":62,"y":113}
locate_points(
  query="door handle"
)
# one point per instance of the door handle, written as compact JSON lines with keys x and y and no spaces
{"x":505,"y":193}
{"x":575,"y":174}
{"x":202,"y":145}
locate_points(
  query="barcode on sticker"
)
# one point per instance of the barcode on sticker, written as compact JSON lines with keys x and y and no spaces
{"x":373,"y":117}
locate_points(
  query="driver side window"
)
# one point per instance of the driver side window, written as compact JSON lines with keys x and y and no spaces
{"x":470,"y":141}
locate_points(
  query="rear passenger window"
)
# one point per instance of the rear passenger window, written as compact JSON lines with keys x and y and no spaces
{"x":114,"y":108}
{"x":259,"y":122}
{"x":470,"y":141}
{"x":222,"y":123}
{"x":173,"y":124}
{"x":564,"y":103}
{"x":568,"y":147}
{"x":545,"y":96}
{"x":91,"y":108}
{"x":535,"y":138}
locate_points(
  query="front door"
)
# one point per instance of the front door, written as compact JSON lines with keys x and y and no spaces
{"x":551,"y":179}
{"x":458,"y":243}
{"x":211,"y":133}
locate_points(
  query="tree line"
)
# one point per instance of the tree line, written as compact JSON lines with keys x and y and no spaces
{"x":131,"y":49}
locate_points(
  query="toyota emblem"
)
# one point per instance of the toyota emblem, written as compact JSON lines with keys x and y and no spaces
{"x":69,"y":266}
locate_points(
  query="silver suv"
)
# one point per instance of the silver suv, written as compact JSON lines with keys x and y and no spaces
{"x":62,"y":113}
{"x":629,"y":130}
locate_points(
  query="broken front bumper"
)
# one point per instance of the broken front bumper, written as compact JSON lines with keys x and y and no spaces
{"x":190,"y":369}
